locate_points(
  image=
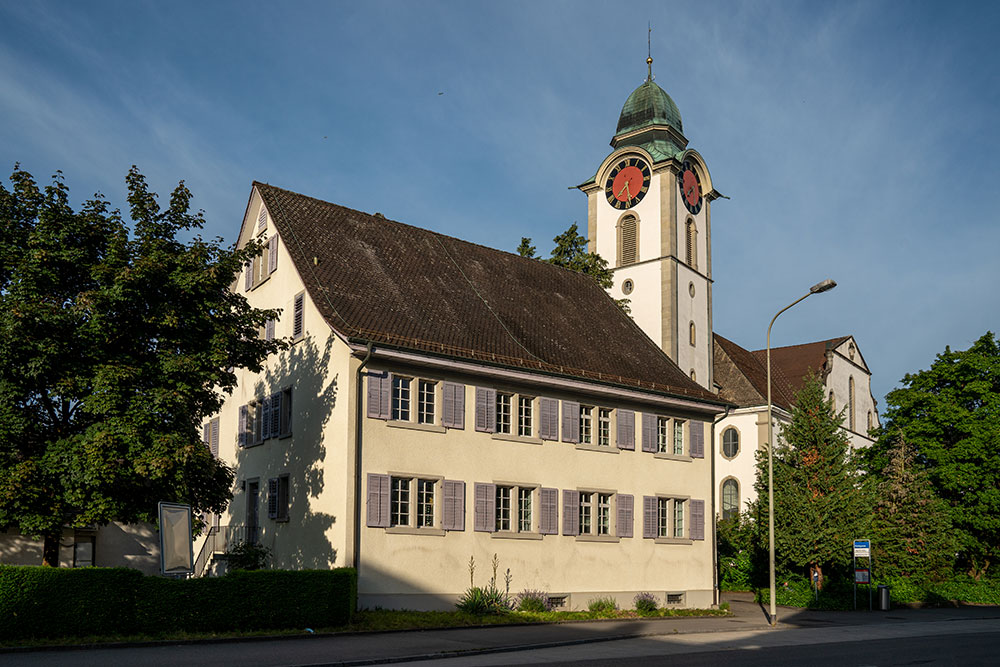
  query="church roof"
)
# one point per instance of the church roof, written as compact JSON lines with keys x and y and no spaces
{"x":742,"y":376}
{"x":797,"y":361}
{"x":649,"y":105}
{"x":375,"y":279}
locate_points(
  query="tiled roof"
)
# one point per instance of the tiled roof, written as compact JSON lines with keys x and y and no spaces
{"x":742,"y":376}
{"x":406,"y":287}
{"x":797,"y":361}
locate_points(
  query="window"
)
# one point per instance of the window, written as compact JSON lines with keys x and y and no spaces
{"x":730,"y":442}
{"x":262,"y":219}
{"x":869,"y":420}
{"x":694,"y":376}
{"x":425,"y":402}
{"x":604,"y":427}
{"x":586,"y":512}
{"x":503,"y":412}
{"x":691,"y":244}
{"x":277,"y":498}
{"x":298,"y":315}
{"x":524,"y":416}
{"x":524,"y":510}
{"x":603,"y":513}
{"x":425,"y":503}
{"x":503,"y":507}
{"x":678,"y":518}
{"x":662,"y":516}
{"x":628,"y":241}
{"x":678,"y":438}
{"x":586,"y":425}
{"x":400,"y":398}
{"x":730,"y":498}
{"x":692,"y":335}
{"x":850,"y":402}
{"x":399,"y":508}
{"x":662,"y":432}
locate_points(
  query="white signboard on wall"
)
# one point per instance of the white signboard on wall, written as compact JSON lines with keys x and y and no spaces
{"x":176,"y":555}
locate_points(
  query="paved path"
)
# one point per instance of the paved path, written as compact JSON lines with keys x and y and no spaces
{"x":606,"y":641}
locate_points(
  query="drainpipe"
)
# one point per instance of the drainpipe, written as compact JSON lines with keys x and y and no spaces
{"x":358,"y":426}
{"x":715,"y":537}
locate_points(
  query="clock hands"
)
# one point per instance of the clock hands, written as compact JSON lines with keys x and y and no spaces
{"x":625,"y":188}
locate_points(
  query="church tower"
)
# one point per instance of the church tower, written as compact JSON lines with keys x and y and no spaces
{"x":649,"y":216}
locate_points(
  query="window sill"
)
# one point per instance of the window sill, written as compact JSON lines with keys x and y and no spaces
{"x":673,"y":540}
{"x":597,"y":538}
{"x":507,"y":535}
{"x":409,"y":530}
{"x":415,"y":426}
{"x":607,"y":449}
{"x":281,"y":520}
{"x":672,"y":457}
{"x":509,"y":437}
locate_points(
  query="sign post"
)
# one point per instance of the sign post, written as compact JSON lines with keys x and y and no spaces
{"x":863,"y":575}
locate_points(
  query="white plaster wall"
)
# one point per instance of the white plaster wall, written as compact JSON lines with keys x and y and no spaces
{"x":644,"y":301}
{"x":743,"y":465}
{"x":694,"y":309}
{"x":842,"y":368}
{"x":116,"y":545}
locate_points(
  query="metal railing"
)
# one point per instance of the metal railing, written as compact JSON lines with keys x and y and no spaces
{"x":218,"y":541}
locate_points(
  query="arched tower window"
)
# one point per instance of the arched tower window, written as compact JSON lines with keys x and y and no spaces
{"x":730,"y":498}
{"x":628,"y":241}
{"x":869,"y":420}
{"x":691,"y":244}
{"x":692,"y":335}
{"x":850,"y":402}
{"x":730,"y":442}
{"x":694,"y":376}
{"x":833,"y":403}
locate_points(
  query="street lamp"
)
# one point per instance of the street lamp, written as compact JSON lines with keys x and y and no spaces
{"x":823,"y":286}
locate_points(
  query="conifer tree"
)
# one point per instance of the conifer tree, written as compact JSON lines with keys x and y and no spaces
{"x":820,"y":506}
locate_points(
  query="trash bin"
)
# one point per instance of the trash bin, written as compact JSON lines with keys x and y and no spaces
{"x":883,"y":597}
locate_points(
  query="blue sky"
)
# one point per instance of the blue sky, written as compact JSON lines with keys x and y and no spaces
{"x":856,"y":140}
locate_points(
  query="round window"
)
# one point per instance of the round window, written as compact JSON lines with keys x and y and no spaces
{"x":691,"y":289}
{"x":730,"y":442}
{"x":628,"y":286}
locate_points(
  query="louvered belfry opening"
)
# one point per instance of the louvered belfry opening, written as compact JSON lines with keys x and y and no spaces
{"x":692,"y":245}
{"x":628,"y":250}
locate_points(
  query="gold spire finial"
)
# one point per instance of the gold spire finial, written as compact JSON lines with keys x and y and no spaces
{"x":649,"y":52}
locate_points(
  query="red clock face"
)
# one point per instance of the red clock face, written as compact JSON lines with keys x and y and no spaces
{"x":628,"y":182}
{"x":690,"y":187}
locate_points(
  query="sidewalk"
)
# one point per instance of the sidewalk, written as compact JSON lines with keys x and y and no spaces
{"x":393,"y":647}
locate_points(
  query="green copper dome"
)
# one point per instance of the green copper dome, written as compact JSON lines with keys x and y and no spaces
{"x":648,"y":105}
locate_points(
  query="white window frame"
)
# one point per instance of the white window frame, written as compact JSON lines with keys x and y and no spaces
{"x":503,"y":412}
{"x":678,"y":437}
{"x":662,"y":434}
{"x":525,"y":416}
{"x":502,"y":517}
{"x":586,"y":425}
{"x":426,"y":401}
{"x":604,"y":427}
{"x":413,"y":502}
{"x":400,"y":398}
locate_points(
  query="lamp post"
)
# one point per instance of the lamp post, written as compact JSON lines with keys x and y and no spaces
{"x":823,"y":286}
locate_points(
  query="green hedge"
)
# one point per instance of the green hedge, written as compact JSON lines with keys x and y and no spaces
{"x":49,"y":602}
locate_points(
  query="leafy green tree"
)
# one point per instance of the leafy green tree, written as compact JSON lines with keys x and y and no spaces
{"x":114,"y":347}
{"x":571,"y":253}
{"x":820,"y":504}
{"x":950,"y":415}
{"x":911,"y":532}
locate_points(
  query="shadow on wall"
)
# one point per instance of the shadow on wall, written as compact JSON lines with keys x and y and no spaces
{"x":303,"y":541}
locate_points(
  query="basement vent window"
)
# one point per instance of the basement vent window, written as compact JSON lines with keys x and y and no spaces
{"x":557,"y":601}
{"x":675,"y":599}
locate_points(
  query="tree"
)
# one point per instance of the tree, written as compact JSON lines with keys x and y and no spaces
{"x":114,"y":347}
{"x":950,"y":415}
{"x":820,"y":505}
{"x":912,"y":535}
{"x":571,"y":253}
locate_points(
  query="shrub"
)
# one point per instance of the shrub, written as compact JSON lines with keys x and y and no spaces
{"x":247,"y":556}
{"x":483,"y":601}
{"x":645,"y":603}
{"x":532,"y":600}
{"x":602,"y":605}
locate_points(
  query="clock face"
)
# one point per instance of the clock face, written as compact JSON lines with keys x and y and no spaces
{"x":628,"y":182}
{"x":690,"y":187}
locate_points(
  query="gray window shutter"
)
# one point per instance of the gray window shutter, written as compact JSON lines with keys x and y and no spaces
{"x":571,"y":512}
{"x":248,"y":277}
{"x":626,"y":429}
{"x":258,"y":424}
{"x":570,"y":421}
{"x":484,"y":511}
{"x":298,"y":315}
{"x":649,"y":516}
{"x":453,"y":405}
{"x":648,"y":432}
{"x":272,"y":498}
{"x":276,"y":414}
{"x":548,"y":427}
{"x":265,"y":408}
{"x":486,"y":410}
{"x":624,"y":504}
{"x":453,"y":510}
{"x":242,"y":426}
{"x":272,"y":254}
{"x":378,"y":501}
{"x":286,"y":412}
{"x":378,"y":394}
{"x":206,"y":434}
{"x":262,"y":218}
{"x":697,"y":519}
{"x":548,"y":520}
{"x":214,"y":442}
{"x":269,"y":329}
{"x":696,"y":439}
